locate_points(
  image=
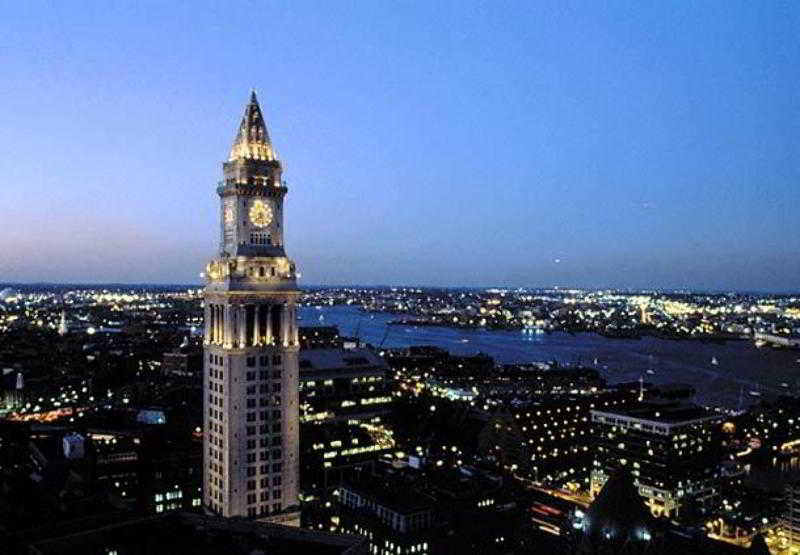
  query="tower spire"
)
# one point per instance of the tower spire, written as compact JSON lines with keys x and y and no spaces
{"x":252,"y":139}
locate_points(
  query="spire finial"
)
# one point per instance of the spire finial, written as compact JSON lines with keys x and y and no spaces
{"x":252,"y":139}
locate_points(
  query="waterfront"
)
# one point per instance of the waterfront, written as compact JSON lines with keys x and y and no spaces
{"x":741,"y":367}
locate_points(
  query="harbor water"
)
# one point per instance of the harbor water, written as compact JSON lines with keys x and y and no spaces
{"x":724,"y":374}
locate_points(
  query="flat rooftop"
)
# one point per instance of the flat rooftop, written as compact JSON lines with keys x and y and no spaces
{"x":343,"y":360}
{"x":393,"y":492}
{"x":199,"y":535}
{"x":662,"y":412}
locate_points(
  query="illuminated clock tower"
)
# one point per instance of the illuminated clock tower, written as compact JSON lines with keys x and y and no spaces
{"x":250,"y":380}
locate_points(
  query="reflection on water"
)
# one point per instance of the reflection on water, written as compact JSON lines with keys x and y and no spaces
{"x":722,"y":373}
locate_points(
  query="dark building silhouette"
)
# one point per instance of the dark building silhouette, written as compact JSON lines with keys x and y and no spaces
{"x":619,"y":522}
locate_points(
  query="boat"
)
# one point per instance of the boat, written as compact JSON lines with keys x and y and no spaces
{"x":595,"y":361}
{"x":465,"y":340}
{"x":754,"y":393}
{"x":784,"y":384}
{"x":714,"y":361}
{"x":650,"y":371}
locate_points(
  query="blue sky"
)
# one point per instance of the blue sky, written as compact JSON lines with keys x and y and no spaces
{"x":630,"y":144}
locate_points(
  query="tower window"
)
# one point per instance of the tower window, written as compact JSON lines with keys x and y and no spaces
{"x":260,"y":238}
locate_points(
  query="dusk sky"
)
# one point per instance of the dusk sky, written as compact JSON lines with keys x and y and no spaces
{"x":628,"y":144}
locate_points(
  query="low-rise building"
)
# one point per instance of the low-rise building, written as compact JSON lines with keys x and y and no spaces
{"x":671,"y":448}
{"x":344,"y":386}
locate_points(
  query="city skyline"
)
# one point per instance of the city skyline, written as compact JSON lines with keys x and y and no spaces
{"x":444,"y":146}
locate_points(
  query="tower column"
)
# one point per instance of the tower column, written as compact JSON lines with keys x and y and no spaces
{"x":256,"y":325}
{"x":216,"y":324}
{"x":293,"y":320}
{"x":268,"y":331}
{"x":242,"y":315}
{"x":206,"y":323}
{"x":284,"y":325}
{"x":212,"y":309}
{"x":233,"y":338}
{"x":219,"y":324}
{"x":230,"y":314}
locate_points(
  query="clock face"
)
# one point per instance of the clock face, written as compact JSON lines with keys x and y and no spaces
{"x":260,"y":214}
{"x":228,"y":214}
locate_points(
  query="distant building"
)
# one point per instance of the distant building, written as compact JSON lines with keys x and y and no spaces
{"x":342,"y":394}
{"x":771,"y":427}
{"x":12,"y":389}
{"x":63,"y":328}
{"x":791,"y":515}
{"x":185,"y":362}
{"x":319,"y":337}
{"x":439,"y":511}
{"x":329,"y":449}
{"x":619,"y":522}
{"x":669,"y":447}
{"x":344,"y":385}
{"x":550,"y":438}
{"x":396,"y":517}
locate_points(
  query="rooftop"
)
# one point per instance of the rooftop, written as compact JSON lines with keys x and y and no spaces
{"x":337,"y":359}
{"x":199,"y":535}
{"x":392,"y":492}
{"x":663,"y":412}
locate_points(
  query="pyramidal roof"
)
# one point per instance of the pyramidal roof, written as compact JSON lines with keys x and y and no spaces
{"x":758,"y":545}
{"x":252,"y":139}
{"x":619,"y":512}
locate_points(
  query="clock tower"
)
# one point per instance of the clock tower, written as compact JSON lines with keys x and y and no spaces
{"x":250,"y":380}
